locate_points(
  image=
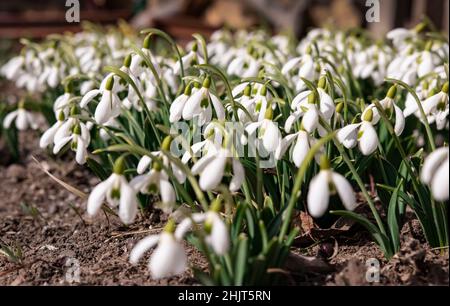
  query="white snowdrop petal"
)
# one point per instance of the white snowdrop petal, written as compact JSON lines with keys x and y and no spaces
{"x":9,"y":119}
{"x":97,"y":196}
{"x":104,"y":108}
{"x":345,"y":191}
{"x":431,"y":163}
{"x":128,"y":203}
{"x":88,"y":97}
{"x":143,"y":164}
{"x":271,"y":136}
{"x":238,"y":175}
{"x":368,"y":141}
{"x":301,"y":149}
{"x":399,"y":121}
{"x":318,"y":194}
{"x":212,"y":174}
{"x":141,"y":247}
{"x":440,"y":182}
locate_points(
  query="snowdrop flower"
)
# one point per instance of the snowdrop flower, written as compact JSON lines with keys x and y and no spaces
{"x":116,"y":191}
{"x":268,"y":131}
{"x":211,"y":168}
{"x":324,"y":184}
{"x":138,"y":64}
{"x":154,"y":182}
{"x":436,"y":107}
{"x":391,"y":109}
{"x":304,"y":67}
{"x":244,"y":64}
{"x":177,"y":106}
{"x":22,"y":117}
{"x":199,"y":105}
{"x":216,"y":230}
{"x":72,"y":131}
{"x":435,"y":173}
{"x":13,"y":67}
{"x":169,"y":257}
{"x":305,"y":105}
{"x":362,"y":134}
{"x":190,"y":59}
{"x":303,"y":143}
{"x":109,"y":105}
{"x":211,"y":145}
{"x":49,"y":136}
{"x":426,"y":63}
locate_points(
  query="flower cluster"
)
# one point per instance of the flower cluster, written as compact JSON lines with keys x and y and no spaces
{"x":257,"y":111}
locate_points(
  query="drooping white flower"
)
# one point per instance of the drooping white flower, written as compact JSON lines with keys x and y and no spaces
{"x":169,"y":257}
{"x":23,"y":119}
{"x":268,"y":131}
{"x":435,"y":173}
{"x":326,"y":183}
{"x":217,"y":235}
{"x":74,"y":132}
{"x":211,"y":168}
{"x":303,"y":142}
{"x":49,"y":136}
{"x":362,"y":133}
{"x":199,"y":105}
{"x":109,"y":106}
{"x":177,"y":106}
{"x":191,"y":58}
{"x":116,"y":191}
{"x":306,"y":105}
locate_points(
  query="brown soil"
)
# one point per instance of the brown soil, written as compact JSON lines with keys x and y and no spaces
{"x":48,"y":225}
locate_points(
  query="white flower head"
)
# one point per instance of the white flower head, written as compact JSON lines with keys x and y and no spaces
{"x":324,"y":184}
{"x":169,"y":257}
{"x":435,"y":173}
{"x":116,"y":191}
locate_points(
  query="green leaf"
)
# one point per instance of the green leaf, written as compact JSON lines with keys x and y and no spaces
{"x":381,"y":239}
{"x":392,"y":218}
{"x":241,"y":260}
{"x":98,"y":169}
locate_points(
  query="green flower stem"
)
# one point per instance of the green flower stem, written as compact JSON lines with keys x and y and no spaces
{"x":357,"y":178}
{"x":422,"y":112}
{"x":298,"y":183}
{"x":174,"y":45}
{"x":412,"y":172}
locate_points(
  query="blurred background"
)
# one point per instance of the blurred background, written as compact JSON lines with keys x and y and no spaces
{"x":180,"y":18}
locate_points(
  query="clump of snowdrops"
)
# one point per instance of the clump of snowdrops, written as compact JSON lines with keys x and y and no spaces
{"x":230,"y":138}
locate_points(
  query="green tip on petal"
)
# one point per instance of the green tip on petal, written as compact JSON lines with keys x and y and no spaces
{"x":324,"y":163}
{"x":119,"y":165}
{"x":170,"y":226}
{"x":109,"y":83}
{"x":77,"y":129}
{"x":392,"y":92}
